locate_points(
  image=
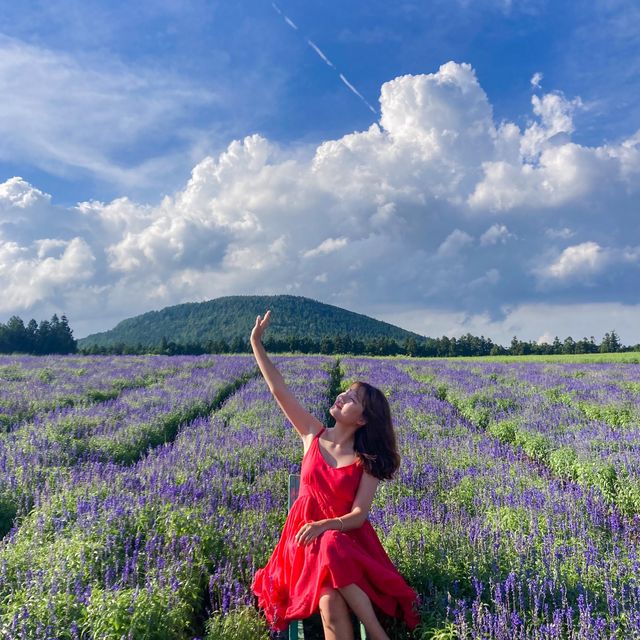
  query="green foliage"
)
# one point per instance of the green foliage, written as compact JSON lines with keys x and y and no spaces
{"x":239,"y":624}
{"x":505,"y":430}
{"x":155,"y":615}
{"x":8,"y":510}
{"x":600,"y":475}
{"x":232,"y":318}
{"x":558,"y":395}
{"x":564,"y":462}
{"x":628,"y":496}
{"x":41,"y":609}
{"x":505,"y":518}
{"x":535,"y":445}
{"x":50,"y":336}
{"x":462,"y":495}
{"x":615,"y":415}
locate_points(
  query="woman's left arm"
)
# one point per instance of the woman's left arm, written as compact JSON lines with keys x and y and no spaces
{"x":352,"y":520}
{"x":361,"y":505}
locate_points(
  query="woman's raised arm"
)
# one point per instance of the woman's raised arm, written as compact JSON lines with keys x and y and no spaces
{"x":303,"y":422}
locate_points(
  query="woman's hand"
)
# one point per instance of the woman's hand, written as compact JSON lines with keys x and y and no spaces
{"x":260,"y":327}
{"x":309,"y":531}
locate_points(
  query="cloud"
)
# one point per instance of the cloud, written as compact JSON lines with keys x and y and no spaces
{"x":564,"y":233}
{"x":326,"y":246}
{"x":587,"y":259}
{"x":454,"y":243}
{"x":536,"y":79}
{"x":491,"y":277}
{"x":19,"y":194}
{"x":539,"y":322}
{"x":402,"y":213}
{"x":579,"y":260}
{"x":31,"y":274}
{"x":63,"y":115}
{"x":542,"y":168}
{"x":496,"y":233}
{"x":556,"y":118}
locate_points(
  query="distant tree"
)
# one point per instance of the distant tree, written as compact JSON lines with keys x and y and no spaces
{"x":62,"y":334}
{"x":32,"y":336}
{"x":48,"y":336}
{"x":582,"y":346}
{"x":44,"y":337}
{"x":410,"y":346}
{"x":326,"y":345}
{"x":238,"y":345}
{"x":569,"y":345}
{"x":610,"y":343}
{"x":614,"y":340}
{"x":17,"y":335}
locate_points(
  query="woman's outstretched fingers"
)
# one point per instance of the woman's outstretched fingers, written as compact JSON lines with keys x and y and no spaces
{"x":260,"y":326}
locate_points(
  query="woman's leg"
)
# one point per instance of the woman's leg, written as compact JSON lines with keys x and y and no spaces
{"x":335,"y":615}
{"x":361,"y":605}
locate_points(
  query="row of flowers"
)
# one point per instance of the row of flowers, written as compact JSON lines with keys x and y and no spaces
{"x":31,"y":385}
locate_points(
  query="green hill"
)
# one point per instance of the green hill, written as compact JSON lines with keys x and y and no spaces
{"x":234,"y":316}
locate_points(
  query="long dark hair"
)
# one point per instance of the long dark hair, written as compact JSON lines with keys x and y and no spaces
{"x":375,"y":442}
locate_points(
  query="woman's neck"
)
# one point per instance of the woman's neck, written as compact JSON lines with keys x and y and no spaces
{"x":341,"y":436}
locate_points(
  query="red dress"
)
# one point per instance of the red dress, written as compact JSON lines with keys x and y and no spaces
{"x":288,"y":587}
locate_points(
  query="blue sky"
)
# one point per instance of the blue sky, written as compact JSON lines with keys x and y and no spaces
{"x":175,"y":151}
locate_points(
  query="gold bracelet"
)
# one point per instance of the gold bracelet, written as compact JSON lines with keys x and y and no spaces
{"x":341,"y":524}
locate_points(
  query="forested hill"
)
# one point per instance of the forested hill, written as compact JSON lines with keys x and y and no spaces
{"x":233,"y":317}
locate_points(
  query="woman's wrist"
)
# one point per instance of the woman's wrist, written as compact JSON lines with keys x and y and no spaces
{"x":336,"y":523}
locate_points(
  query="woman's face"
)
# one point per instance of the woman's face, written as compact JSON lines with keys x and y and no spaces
{"x":347,"y":409}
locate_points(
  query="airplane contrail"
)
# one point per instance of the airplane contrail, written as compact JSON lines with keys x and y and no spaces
{"x":287,"y":19}
{"x":316,"y":48}
{"x":324,"y":58}
{"x":357,"y":93}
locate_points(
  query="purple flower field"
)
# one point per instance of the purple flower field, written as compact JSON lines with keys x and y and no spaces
{"x":138,"y":495}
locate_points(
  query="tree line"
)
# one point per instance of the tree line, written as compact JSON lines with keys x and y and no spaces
{"x":467,"y":345}
{"x":55,"y":336}
{"x":47,"y":336}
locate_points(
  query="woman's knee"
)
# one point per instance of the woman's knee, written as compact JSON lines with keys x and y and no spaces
{"x":332,"y":603}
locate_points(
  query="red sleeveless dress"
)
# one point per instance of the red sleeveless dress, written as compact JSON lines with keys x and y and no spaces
{"x":288,"y":587}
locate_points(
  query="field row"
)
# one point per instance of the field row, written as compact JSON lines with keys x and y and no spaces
{"x":30,"y":385}
{"x":582,"y":422}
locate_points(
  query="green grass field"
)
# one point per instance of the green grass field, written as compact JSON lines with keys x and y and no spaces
{"x":632,"y":357}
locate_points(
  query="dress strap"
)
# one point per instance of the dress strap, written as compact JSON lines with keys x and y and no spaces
{"x":319,"y":433}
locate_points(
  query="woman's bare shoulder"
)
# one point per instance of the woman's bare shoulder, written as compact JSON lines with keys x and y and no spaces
{"x":307,"y":439}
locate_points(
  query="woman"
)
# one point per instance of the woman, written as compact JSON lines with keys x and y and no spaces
{"x":329,"y":556}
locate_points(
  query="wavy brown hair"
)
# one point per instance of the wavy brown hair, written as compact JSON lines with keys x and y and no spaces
{"x":375,"y":442}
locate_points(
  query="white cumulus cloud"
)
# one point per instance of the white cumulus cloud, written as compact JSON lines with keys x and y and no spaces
{"x":326,"y":246}
{"x":28,"y":275}
{"x":536,"y":79}
{"x":578,"y":260}
{"x":454,"y":243}
{"x":403,"y":211}
{"x":496,"y":233}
